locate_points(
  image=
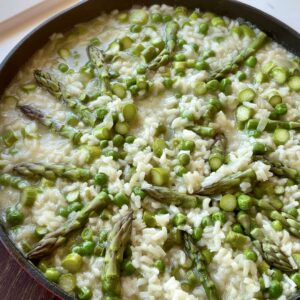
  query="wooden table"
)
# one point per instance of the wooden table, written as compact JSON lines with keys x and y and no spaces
{"x":16,"y":284}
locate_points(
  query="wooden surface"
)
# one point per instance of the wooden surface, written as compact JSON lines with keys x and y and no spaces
{"x":16,"y":284}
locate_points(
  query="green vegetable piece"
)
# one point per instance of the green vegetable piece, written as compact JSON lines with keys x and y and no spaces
{"x":138,"y":16}
{"x":14,"y":216}
{"x":219,"y":216}
{"x":294,"y":83}
{"x":119,"y":90}
{"x":277,"y":226}
{"x":184,"y":159}
{"x":64,"y":53}
{"x":125,"y":43}
{"x":159,"y":176}
{"x":228,"y":202}
{"x":129,"y":112}
{"x":158,"y":146}
{"x":296,"y":278}
{"x":84,"y":293}
{"x":67,"y":282}
{"x":29,"y":195}
{"x":279,"y":74}
{"x":179,"y":219}
{"x":72,"y":262}
{"x":203,"y":28}
{"x":160,"y":265}
{"x":217,"y":21}
{"x":29,"y":87}
{"x":250,"y":254}
{"x":9,"y":138}
{"x":281,"y":136}
{"x":149,"y":219}
{"x":121,"y":199}
{"x":102,"y":133}
{"x":121,"y":128}
{"x":275,"y":290}
{"x":236,"y":240}
{"x":251,"y":61}
{"x":200,"y":89}
{"x":246,"y":95}
{"x":244,"y":202}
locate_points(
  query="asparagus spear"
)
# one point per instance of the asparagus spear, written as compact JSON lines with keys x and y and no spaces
{"x":269,"y":250}
{"x":217,"y":156}
{"x":167,"y":196}
{"x":54,"y":87}
{"x":280,"y":169}
{"x":13,"y":181}
{"x":200,"y":268}
{"x":232,"y":66}
{"x":56,"y":238}
{"x":204,"y":131}
{"x":214,"y":106}
{"x":271,"y":125}
{"x":64,"y":130}
{"x":117,"y":241}
{"x":51,"y":171}
{"x":227,"y":183}
{"x":171,"y":42}
{"x":97,"y":58}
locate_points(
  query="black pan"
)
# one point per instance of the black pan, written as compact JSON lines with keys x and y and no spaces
{"x":89,"y":9}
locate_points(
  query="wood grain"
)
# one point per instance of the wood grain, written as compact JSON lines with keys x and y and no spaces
{"x":16,"y":284}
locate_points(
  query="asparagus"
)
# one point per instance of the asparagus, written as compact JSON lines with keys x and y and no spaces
{"x":271,"y":125}
{"x":54,"y":87}
{"x":227,"y":183}
{"x":232,"y":66}
{"x":117,"y":241}
{"x":56,"y":238}
{"x":168,"y":196}
{"x":214,"y":106}
{"x":171,"y":42}
{"x":51,"y":171}
{"x":280,"y":169}
{"x":64,"y":130}
{"x":13,"y":181}
{"x":269,"y":250}
{"x":97,"y":59}
{"x":217,"y":156}
{"x":200,"y":269}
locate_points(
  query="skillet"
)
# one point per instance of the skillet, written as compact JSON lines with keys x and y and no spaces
{"x":89,"y":9}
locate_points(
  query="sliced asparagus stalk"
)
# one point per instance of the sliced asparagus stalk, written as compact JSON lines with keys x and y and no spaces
{"x":167,"y":196}
{"x":271,"y":125}
{"x":117,"y":242}
{"x":13,"y":181}
{"x":232,"y":66}
{"x":217,"y":156}
{"x":54,"y":87}
{"x":280,"y":169}
{"x":64,"y":130}
{"x":200,"y":269}
{"x":56,"y":238}
{"x":97,"y":59}
{"x":52,"y":171}
{"x":171,"y":42}
{"x":227,"y":183}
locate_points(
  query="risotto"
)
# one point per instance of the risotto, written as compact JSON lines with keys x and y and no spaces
{"x":154,"y":154}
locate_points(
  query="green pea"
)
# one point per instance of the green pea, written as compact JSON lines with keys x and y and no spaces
{"x":168,"y":82}
{"x":160,"y":265}
{"x":275,"y":289}
{"x":281,"y":109}
{"x":184,"y":159}
{"x":167,"y":18}
{"x":203,"y":28}
{"x":277,"y":225}
{"x":201,"y":65}
{"x":141,"y":70}
{"x":101,"y":179}
{"x":87,"y":248}
{"x":157,"y":18}
{"x":293,"y":212}
{"x":244,"y":202}
{"x":102,"y":133}
{"x":139,"y":192}
{"x":121,"y":199}
{"x":52,"y":274}
{"x":180,"y":57}
{"x":179,"y":219}
{"x":219,"y":216}
{"x":63,"y":67}
{"x":101,"y":113}
{"x":103,"y":144}
{"x":74,"y":206}
{"x":237,"y":228}
{"x":180,"y":170}
{"x":67,"y":282}
{"x":149,"y":219}
{"x":212,"y":85}
{"x":135,"y":28}
{"x":118,"y":140}
{"x":250,"y":254}
{"x":72,"y":262}
{"x":187,"y":145}
{"x":14,"y":216}
{"x":159,"y":176}
{"x":105,"y":215}
{"x":228,"y":202}
{"x":129,"y":139}
{"x":84,"y":293}
{"x":127,"y":267}
{"x":40,"y":231}
{"x":63,"y":212}
{"x":208,"y":53}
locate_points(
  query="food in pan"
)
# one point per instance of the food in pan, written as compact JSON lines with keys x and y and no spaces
{"x":154,"y":154}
